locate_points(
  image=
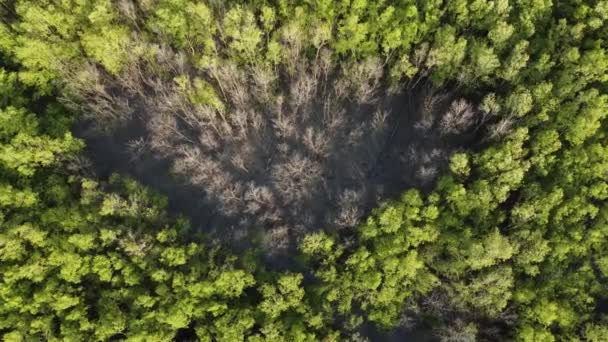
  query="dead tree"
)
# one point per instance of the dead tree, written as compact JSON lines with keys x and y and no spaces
{"x":459,"y":118}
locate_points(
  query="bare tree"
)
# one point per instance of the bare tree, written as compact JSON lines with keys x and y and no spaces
{"x":364,"y":79}
{"x":349,"y":210}
{"x":500,"y":128}
{"x":137,"y":147}
{"x":460,"y":117}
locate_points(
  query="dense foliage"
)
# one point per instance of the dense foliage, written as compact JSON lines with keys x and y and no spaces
{"x":511,"y":243}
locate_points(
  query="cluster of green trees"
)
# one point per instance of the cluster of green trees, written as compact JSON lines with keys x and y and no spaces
{"x":512,"y":241}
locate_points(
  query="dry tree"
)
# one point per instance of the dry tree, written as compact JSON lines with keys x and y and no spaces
{"x":500,"y":129}
{"x":349,"y":210}
{"x":91,"y":90}
{"x":137,"y":148}
{"x":459,"y":118}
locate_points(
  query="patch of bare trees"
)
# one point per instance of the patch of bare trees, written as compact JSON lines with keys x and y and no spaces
{"x":283,"y":151}
{"x":301,"y":146}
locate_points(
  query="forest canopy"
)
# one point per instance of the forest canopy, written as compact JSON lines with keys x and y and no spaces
{"x":359,"y":170}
